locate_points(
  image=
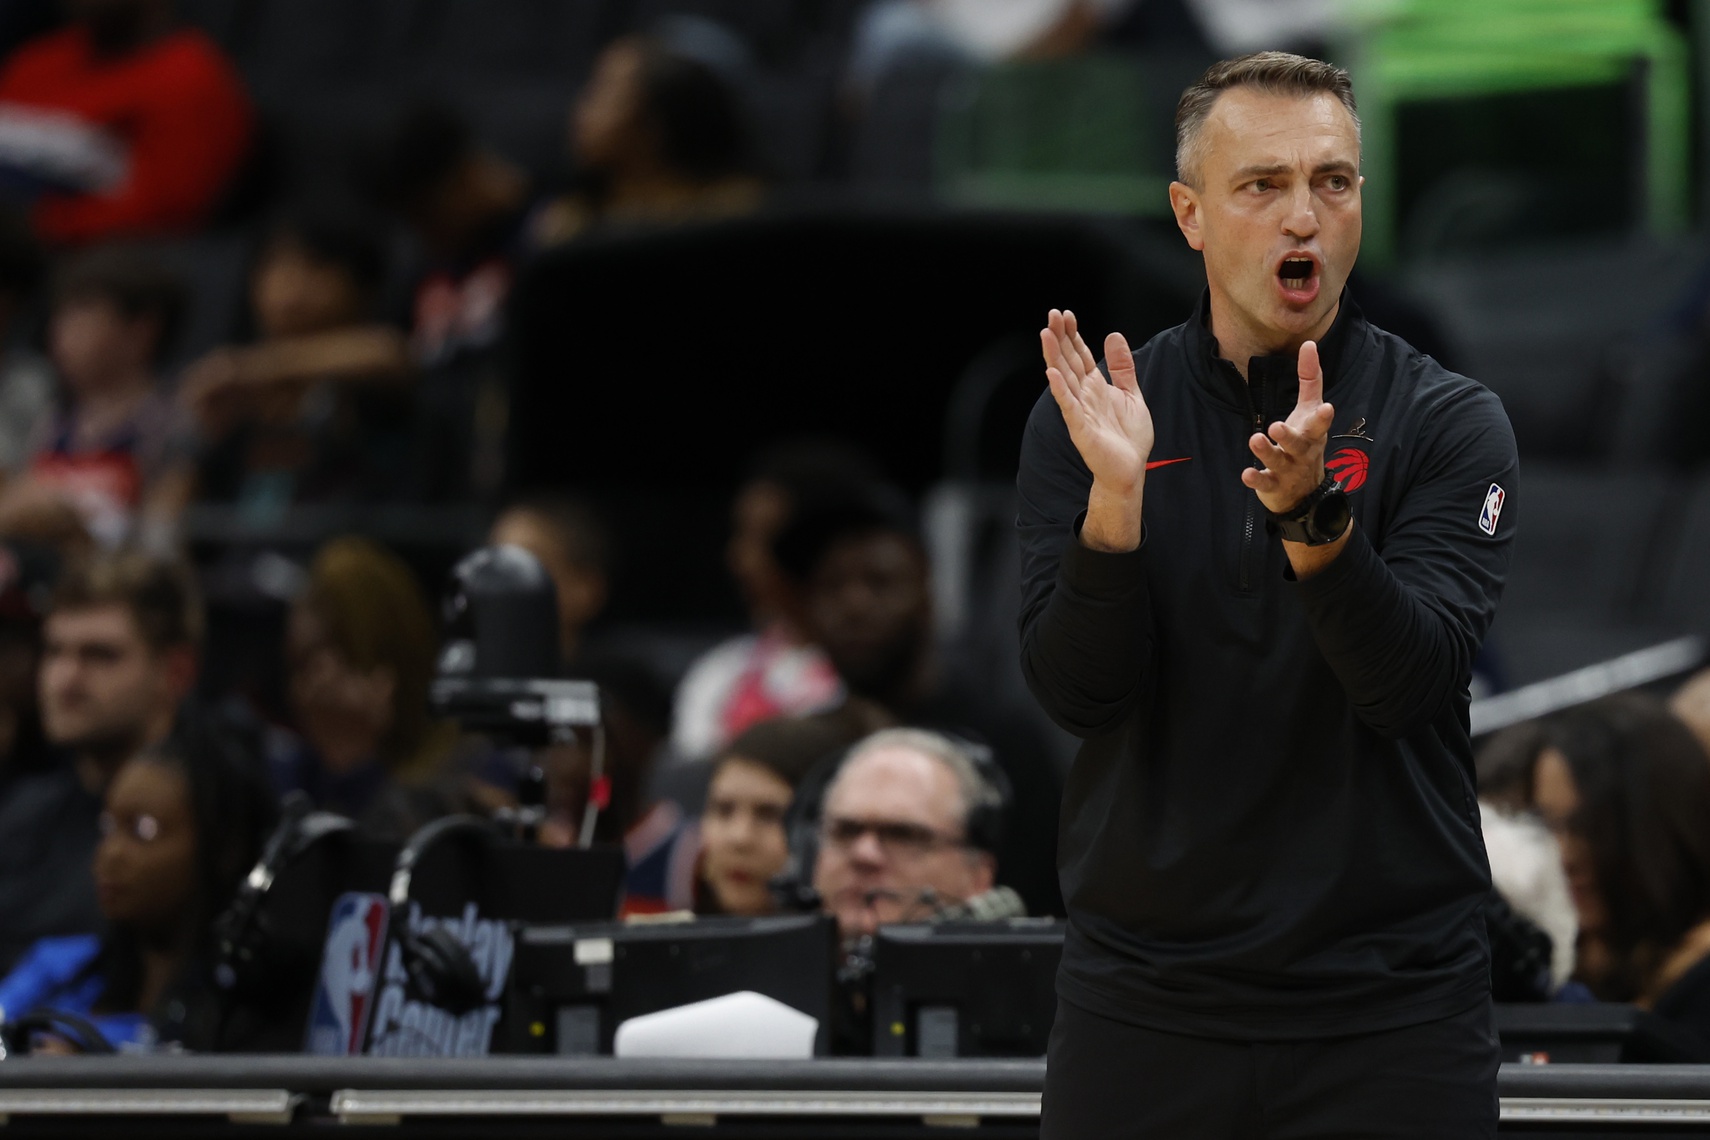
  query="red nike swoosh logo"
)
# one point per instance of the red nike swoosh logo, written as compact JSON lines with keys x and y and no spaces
{"x":1167,"y":462}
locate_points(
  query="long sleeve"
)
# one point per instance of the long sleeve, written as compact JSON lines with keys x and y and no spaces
{"x":1400,"y":624}
{"x":1086,"y":632}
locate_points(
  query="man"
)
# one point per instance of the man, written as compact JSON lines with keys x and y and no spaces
{"x":1263,"y":631}
{"x":113,"y":451}
{"x":866,"y":599}
{"x":118,"y":659}
{"x":903,"y":831}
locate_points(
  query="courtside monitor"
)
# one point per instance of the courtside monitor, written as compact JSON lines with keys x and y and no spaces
{"x":1589,"y":1033}
{"x":572,"y":986}
{"x":965,"y":989}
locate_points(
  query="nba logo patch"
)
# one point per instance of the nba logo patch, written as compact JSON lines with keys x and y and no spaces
{"x":350,"y":975}
{"x":1492,"y":509}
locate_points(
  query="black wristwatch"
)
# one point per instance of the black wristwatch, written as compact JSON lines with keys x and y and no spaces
{"x":1320,"y":519}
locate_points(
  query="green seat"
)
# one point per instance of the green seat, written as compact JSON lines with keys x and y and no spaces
{"x":1078,"y":135}
{"x":1409,"y":50}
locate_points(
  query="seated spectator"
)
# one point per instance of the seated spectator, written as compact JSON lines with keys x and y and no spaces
{"x":743,"y":842}
{"x":773,"y":671}
{"x":1526,"y":869}
{"x":659,"y":137}
{"x":896,"y":837}
{"x":475,"y":217}
{"x":113,"y":455}
{"x":360,"y":649}
{"x":315,"y":408}
{"x":125,"y":125}
{"x":118,"y":660}
{"x":573,"y":547}
{"x":180,"y":828}
{"x":1626,"y":788}
{"x":26,"y":377}
{"x":866,"y":599}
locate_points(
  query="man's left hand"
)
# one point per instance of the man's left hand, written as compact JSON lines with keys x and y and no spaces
{"x":1292,"y":451}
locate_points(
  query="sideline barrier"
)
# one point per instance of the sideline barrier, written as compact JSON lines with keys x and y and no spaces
{"x":512,"y":1096}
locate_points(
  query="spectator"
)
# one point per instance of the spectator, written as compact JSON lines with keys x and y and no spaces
{"x":26,"y":378}
{"x":899,"y":831}
{"x":119,"y":659}
{"x":314,"y":409}
{"x":659,"y":136}
{"x":181,"y":827}
{"x":360,"y":649}
{"x":124,"y":124}
{"x":743,"y":842}
{"x":572,"y":545}
{"x":866,"y":593}
{"x":772,"y":671}
{"x":1626,"y":788}
{"x":113,"y":456}
{"x":476,"y":219}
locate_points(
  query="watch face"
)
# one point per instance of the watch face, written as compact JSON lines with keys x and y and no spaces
{"x":1330,"y":516}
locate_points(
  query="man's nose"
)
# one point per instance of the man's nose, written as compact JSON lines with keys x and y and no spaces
{"x":866,"y":849}
{"x":1302,"y":220}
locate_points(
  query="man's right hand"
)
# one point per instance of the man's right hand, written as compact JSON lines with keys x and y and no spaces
{"x":1109,"y":424}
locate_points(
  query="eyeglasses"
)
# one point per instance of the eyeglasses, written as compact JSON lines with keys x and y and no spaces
{"x":897,"y":840}
{"x":142,"y":828}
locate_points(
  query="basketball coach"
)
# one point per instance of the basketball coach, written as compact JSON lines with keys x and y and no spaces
{"x":1258,"y":558}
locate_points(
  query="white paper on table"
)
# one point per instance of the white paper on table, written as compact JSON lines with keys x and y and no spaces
{"x":743,"y":1025}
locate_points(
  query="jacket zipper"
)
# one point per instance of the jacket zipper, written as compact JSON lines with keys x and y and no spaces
{"x":1250,"y":531}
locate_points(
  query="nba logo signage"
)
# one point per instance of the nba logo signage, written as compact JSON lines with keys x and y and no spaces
{"x":1492,"y":509}
{"x":350,"y":968}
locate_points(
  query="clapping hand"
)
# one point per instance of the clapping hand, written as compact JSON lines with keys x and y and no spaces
{"x":1292,"y":450}
{"x":1108,"y":423}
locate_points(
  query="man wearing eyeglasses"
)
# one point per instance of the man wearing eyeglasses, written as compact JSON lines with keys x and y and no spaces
{"x":899,"y":832}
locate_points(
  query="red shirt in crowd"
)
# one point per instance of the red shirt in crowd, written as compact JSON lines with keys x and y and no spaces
{"x":176,"y":104}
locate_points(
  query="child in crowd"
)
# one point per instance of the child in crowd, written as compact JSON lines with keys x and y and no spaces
{"x":182,"y":825}
{"x":112,"y":454}
{"x":316,"y":407}
{"x":744,"y":845}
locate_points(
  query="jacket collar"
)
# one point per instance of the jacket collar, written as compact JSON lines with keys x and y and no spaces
{"x":1274,"y":378}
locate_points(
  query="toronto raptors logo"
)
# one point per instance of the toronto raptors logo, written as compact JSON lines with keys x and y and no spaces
{"x":1350,"y":466}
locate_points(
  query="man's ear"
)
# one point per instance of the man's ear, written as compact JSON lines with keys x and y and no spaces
{"x":1184,"y":201}
{"x":983,"y":873}
{"x":180,"y":664}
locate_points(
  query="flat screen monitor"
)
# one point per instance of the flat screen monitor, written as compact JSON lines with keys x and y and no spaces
{"x":573,"y":985}
{"x":1568,"y":1033}
{"x":965,"y":989}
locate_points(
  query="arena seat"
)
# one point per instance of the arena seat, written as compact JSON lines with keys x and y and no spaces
{"x":1682,"y":597}
{"x":1584,"y":557}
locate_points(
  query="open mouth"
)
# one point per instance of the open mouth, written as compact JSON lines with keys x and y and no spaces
{"x":1298,"y":278}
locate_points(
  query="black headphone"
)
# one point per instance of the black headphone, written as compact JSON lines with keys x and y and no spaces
{"x":17,"y":1037}
{"x":984,"y":827}
{"x":439,"y":969}
{"x":244,"y":942}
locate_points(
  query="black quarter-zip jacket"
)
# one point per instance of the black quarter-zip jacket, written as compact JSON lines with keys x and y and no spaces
{"x":1271,"y":831}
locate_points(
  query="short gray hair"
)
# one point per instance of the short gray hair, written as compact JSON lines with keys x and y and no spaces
{"x":1274,"y":72}
{"x":977,"y":792}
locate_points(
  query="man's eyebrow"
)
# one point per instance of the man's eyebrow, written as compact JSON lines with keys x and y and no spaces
{"x":1337,"y":166}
